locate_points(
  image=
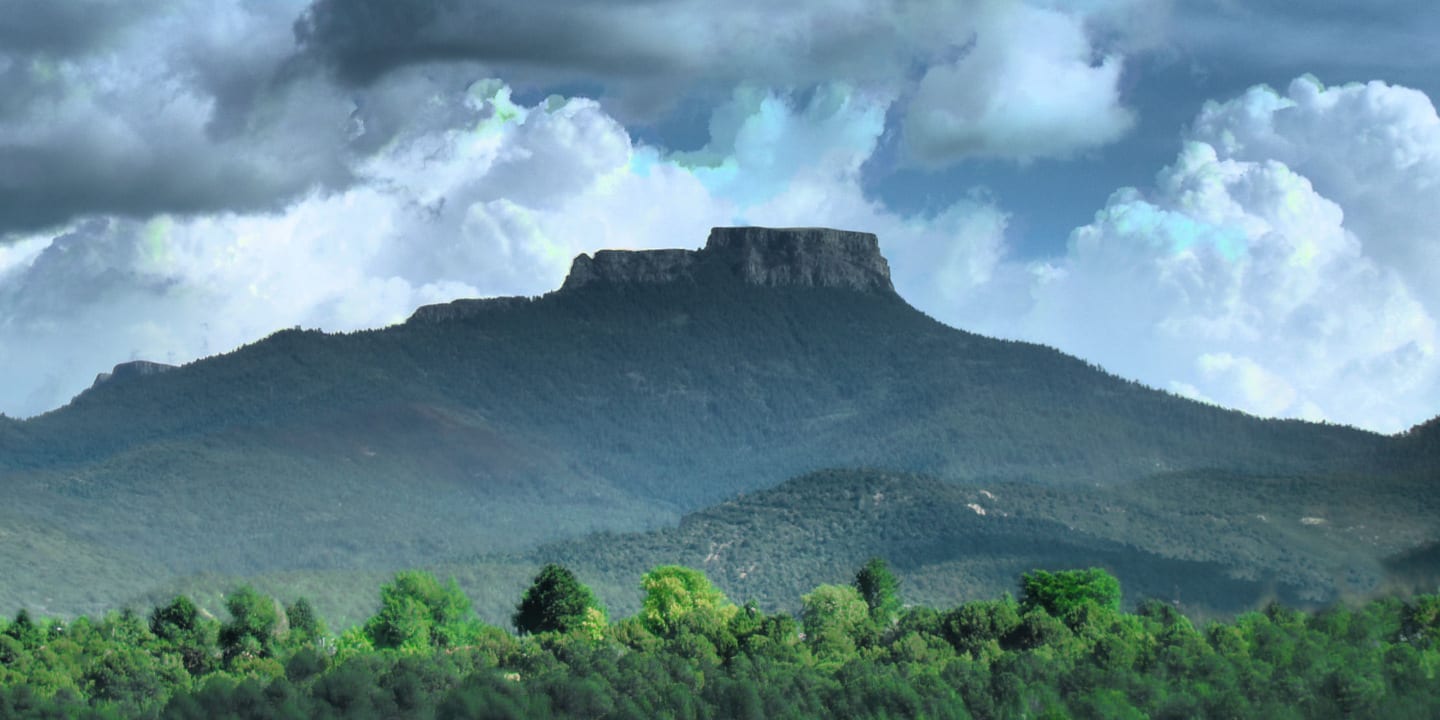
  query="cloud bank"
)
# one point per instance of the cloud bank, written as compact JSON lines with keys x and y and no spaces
{"x":1281,"y":265}
{"x":203,"y":106}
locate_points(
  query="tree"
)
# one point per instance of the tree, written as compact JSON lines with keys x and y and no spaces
{"x":306,"y":626}
{"x":881,"y":591}
{"x":418,"y":613}
{"x":254,"y":621}
{"x":176,"y":621}
{"x":674,"y":592}
{"x":555,"y":602}
{"x":180,"y":627}
{"x":833,"y":616}
{"x":1059,"y":592}
{"x":24,"y":629}
{"x":976,"y":626}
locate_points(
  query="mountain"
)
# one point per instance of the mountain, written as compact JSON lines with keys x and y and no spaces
{"x":651,"y":384}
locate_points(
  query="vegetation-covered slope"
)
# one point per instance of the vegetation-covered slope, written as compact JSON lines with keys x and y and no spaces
{"x":493,"y":426}
{"x":1306,"y":542}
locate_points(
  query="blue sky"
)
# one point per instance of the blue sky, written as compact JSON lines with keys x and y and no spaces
{"x":1226,"y":200}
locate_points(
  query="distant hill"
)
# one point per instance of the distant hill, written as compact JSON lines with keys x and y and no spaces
{"x":1253,"y":540}
{"x":652,"y":384}
{"x":950,"y":542}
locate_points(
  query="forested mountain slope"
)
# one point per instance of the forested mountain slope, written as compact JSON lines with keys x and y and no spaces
{"x":652,"y":384}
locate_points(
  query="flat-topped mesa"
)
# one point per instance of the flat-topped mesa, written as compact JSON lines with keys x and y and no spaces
{"x":807,"y":257}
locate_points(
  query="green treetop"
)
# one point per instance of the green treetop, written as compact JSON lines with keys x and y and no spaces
{"x":880,"y":590}
{"x":555,"y":602}
{"x":674,"y":592}
{"x":1059,"y":592}
{"x":417,"y":613}
{"x":254,"y":621}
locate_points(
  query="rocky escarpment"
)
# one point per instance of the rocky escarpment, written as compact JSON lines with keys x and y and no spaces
{"x":465,"y":307}
{"x":128,"y":370}
{"x":808,"y":257}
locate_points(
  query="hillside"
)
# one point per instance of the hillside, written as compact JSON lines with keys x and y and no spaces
{"x":651,"y":384}
{"x":1306,"y":542}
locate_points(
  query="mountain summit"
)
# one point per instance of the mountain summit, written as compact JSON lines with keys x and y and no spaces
{"x":772,"y":257}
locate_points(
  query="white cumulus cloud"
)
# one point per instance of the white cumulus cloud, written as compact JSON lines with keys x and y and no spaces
{"x":1032,"y":85}
{"x":1280,"y":265}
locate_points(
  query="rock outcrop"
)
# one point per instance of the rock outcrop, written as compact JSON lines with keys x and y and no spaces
{"x":632,"y":266}
{"x":463,"y":308}
{"x":808,"y":257}
{"x":129,"y":370}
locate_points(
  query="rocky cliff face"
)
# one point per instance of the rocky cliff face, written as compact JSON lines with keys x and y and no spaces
{"x":809,"y":257}
{"x":465,"y":307}
{"x":133,"y":369}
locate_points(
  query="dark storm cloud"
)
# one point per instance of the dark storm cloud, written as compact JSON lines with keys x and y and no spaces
{"x":35,"y":35}
{"x":64,"y":27}
{"x":137,"y":108}
{"x":363,"y":40}
{"x":634,"y":47}
{"x":45,"y":186}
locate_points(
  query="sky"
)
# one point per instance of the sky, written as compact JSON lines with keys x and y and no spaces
{"x":1228,"y":200}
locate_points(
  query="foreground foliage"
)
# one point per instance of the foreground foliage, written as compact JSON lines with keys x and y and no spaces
{"x":1064,"y":649}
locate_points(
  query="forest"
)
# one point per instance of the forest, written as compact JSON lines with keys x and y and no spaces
{"x":1065,"y":648}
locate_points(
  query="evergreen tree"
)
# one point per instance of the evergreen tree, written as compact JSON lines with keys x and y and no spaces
{"x":555,"y":602}
{"x":306,"y":626}
{"x":180,"y":627}
{"x":881,"y":591}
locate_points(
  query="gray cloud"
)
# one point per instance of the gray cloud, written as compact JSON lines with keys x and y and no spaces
{"x":971,"y":67}
{"x":58,"y":28}
{"x":140,"y":108}
{"x":363,"y":40}
{"x":1313,"y":36}
{"x":134,"y":109}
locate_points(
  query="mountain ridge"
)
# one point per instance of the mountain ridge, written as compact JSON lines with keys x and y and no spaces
{"x":614,"y":404}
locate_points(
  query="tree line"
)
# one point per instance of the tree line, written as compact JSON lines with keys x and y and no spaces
{"x":1064,"y":649}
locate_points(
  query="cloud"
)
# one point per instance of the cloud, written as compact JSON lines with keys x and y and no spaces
{"x":61,"y":28}
{"x":999,"y":79}
{"x":499,"y":204}
{"x":1279,"y":265}
{"x":205,"y":106}
{"x":1373,"y":148}
{"x":131,"y":128}
{"x":1029,"y":87}
{"x":1330,"y":34}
